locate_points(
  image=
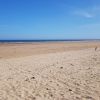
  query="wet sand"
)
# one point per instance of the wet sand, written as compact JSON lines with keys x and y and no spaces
{"x":12,"y":50}
{"x":50,"y":71}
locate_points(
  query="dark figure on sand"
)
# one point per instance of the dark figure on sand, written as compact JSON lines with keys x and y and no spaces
{"x":96,"y":48}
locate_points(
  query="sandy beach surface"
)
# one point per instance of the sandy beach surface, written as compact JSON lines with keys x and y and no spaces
{"x":50,"y":71}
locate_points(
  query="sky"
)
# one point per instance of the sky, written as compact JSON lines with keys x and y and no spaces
{"x":49,"y":19}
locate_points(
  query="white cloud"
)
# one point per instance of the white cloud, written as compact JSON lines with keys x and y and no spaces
{"x":84,"y":14}
{"x":88,"y":13}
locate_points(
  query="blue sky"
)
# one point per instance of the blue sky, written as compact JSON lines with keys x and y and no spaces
{"x":49,"y":19}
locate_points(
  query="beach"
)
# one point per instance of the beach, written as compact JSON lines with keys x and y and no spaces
{"x":13,"y":50}
{"x":50,"y":71}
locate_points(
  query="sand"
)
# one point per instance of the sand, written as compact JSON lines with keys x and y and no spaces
{"x":13,"y":50}
{"x":61,"y":71}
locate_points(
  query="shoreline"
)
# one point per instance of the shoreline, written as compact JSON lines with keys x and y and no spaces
{"x":11,"y":50}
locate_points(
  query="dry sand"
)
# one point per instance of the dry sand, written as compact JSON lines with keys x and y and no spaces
{"x":50,"y":71}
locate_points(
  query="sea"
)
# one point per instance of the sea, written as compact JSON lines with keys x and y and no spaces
{"x":59,"y":40}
